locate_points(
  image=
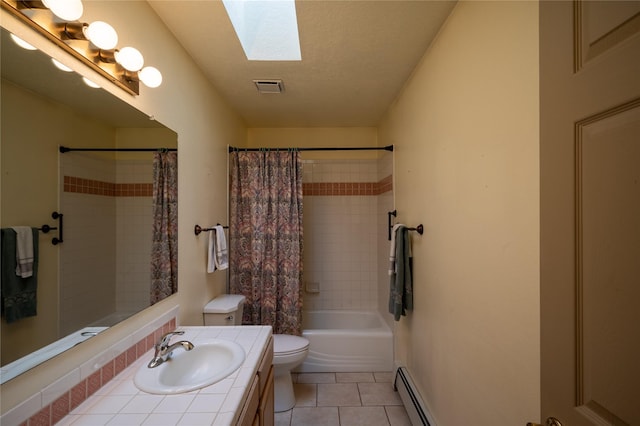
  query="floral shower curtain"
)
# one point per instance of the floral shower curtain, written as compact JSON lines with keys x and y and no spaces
{"x":164,"y":248}
{"x":265,"y":237}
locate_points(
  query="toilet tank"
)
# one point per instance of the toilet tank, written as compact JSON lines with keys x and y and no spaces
{"x":225,"y":309}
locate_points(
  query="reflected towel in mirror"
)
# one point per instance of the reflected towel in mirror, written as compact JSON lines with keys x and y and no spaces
{"x":24,"y":251}
{"x":18,"y":296}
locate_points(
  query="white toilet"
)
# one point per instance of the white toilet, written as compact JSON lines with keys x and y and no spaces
{"x":288,"y":351}
{"x":225,"y":309}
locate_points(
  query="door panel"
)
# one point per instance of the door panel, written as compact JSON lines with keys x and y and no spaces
{"x":590,"y":211}
{"x":600,"y":25}
{"x":608,"y":254}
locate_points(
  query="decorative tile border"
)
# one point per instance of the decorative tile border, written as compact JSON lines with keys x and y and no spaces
{"x":109,"y":189}
{"x":348,"y":188}
{"x":72,"y":398}
{"x":134,"y":189}
{"x":385,"y":185}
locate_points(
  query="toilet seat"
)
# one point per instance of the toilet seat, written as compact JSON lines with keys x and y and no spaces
{"x":284,"y":345}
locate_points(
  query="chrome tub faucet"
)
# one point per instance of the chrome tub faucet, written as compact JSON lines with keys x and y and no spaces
{"x":164,"y":350}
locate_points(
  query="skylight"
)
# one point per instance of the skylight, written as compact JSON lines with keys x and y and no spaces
{"x":267,"y":29}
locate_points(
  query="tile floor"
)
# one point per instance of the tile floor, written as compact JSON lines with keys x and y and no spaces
{"x":344,"y":399}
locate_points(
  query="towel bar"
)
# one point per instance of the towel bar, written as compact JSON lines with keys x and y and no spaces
{"x":198,"y":229}
{"x":54,"y":240}
{"x":419,"y":229}
{"x":46,"y":228}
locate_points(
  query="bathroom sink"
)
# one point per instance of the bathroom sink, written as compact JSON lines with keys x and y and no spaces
{"x":207,"y":363}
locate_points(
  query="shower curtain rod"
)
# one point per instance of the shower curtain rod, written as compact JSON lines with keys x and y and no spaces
{"x":386,"y":148}
{"x":64,"y":149}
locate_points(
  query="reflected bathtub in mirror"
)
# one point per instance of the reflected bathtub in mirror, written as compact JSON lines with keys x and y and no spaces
{"x":19,"y":366}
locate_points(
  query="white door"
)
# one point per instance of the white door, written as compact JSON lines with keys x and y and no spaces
{"x":590,"y":212}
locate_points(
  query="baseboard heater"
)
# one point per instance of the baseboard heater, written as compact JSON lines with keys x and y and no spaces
{"x":411,"y":399}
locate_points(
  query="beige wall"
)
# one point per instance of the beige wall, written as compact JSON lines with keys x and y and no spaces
{"x":205,"y":125}
{"x":465,"y":131}
{"x":317,"y":137}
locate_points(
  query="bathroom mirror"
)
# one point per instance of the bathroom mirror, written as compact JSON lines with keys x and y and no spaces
{"x":109,"y":208}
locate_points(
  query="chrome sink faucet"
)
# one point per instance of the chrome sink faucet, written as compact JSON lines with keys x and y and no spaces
{"x":164,"y":350}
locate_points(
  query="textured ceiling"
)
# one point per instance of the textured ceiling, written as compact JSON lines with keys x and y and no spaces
{"x":356,"y":56}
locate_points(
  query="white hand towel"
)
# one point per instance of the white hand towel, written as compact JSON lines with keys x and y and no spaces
{"x":221,"y":254}
{"x":24,"y":251}
{"x":211,"y":263}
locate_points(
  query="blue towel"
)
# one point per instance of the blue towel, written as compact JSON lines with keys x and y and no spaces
{"x":401,"y":280}
{"x":18,"y":295}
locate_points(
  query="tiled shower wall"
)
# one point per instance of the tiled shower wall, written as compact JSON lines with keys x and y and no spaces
{"x":104,"y":259}
{"x":342,"y":229}
{"x":134,"y":213}
{"x":386,"y":204}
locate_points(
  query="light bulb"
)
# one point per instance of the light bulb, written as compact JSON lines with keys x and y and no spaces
{"x":67,"y":10}
{"x":130,"y":58}
{"x":20,"y":42}
{"x":101,"y":34}
{"x":90,"y":83}
{"x":150,"y":76}
{"x":61,"y":66}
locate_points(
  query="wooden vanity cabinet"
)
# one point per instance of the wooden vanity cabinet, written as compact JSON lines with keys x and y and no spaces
{"x":267,"y":397}
{"x":250,"y":408}
{"x":258,"y":409}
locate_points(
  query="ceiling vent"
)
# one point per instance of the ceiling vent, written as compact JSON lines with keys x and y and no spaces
{"x":269,"y":86}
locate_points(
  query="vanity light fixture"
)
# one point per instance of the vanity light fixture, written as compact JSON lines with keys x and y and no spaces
{"x":20,"y":42}
{"x":132,"y":61}
{"x":90,"y":83}
{"x":150,"y":77}
{"x":122,"y":66}
{"x":61,"y":66}
{"x":129,"y":58}
{"x":67,"y":10}
{"x":99,"y":33}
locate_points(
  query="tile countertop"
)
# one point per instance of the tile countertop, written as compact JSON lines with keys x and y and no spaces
{"x":120,"y":402}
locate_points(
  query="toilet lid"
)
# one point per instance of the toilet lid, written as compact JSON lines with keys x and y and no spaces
{"x":285,"y":344}
{"x":224,"y":304}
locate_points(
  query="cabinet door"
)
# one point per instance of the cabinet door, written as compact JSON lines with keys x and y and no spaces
{"x":267,"y":402}
{"x":248,"y":414}
{"x":265,"y":365}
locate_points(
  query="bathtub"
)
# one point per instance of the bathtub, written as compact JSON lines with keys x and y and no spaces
{"x":346,"y":341}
